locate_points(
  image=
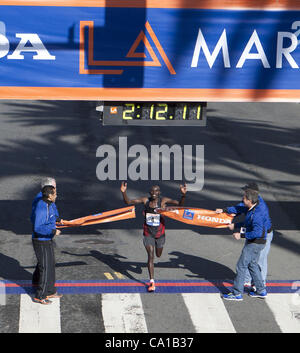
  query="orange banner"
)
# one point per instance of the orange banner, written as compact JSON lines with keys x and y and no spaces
{"x":104,"y":217}
{"x":197,"y":216}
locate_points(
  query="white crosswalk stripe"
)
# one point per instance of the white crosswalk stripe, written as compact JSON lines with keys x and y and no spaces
{"x":286,"y":310}
{"x":37,"y":318}
{"x":124,"y":313}
{"x":208,"y":313}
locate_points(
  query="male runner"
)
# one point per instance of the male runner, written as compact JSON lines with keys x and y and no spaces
{"x":154,"y":223}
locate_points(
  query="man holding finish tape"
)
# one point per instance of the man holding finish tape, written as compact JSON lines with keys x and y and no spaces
{"x":253,"y":229}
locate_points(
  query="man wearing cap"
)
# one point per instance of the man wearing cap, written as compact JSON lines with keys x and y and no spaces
{"x":45,"y":182}
{"x":43,"y":231}
{"x":241,"y":209}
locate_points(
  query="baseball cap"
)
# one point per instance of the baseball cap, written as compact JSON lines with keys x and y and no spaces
{"x":48,"y":182}
{"x":252,"y":186}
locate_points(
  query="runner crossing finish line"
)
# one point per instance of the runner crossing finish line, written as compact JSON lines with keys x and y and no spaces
{"x":197,"y":216}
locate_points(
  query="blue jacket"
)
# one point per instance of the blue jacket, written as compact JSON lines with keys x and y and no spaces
{"x":44,"y":220}
{"x":242,"y":209}
{"x":37,"y":198}
{"x":255,"y":224}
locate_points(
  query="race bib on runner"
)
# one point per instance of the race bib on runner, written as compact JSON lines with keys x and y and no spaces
{"x":153,"y":219}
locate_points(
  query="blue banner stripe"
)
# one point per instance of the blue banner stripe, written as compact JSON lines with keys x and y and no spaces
{"x":193,"y":49}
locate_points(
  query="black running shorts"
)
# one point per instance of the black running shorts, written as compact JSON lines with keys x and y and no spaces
{"x":156,"y":242}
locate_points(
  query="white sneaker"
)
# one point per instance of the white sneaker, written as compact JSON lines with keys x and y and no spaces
{"x":250,"y":286}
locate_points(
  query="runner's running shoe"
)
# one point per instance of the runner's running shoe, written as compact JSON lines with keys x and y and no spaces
{"x":151,"y":287}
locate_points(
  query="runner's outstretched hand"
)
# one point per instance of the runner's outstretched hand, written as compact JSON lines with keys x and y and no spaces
{"x":183,"y":189}
{"x":123,"y":186}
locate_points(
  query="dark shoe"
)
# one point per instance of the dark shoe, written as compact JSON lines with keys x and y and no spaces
{"x":261,"y":295}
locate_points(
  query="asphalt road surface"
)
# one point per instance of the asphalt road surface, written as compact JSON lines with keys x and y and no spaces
{"x":241,"y":142}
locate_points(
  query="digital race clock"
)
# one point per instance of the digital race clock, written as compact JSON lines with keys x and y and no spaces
{"x":154,"y":113}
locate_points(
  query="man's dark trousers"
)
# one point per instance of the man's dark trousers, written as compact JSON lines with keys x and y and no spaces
{"x":44,"y":275}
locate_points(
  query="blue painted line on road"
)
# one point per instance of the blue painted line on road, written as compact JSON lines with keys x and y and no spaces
{"x":130,"y":286}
